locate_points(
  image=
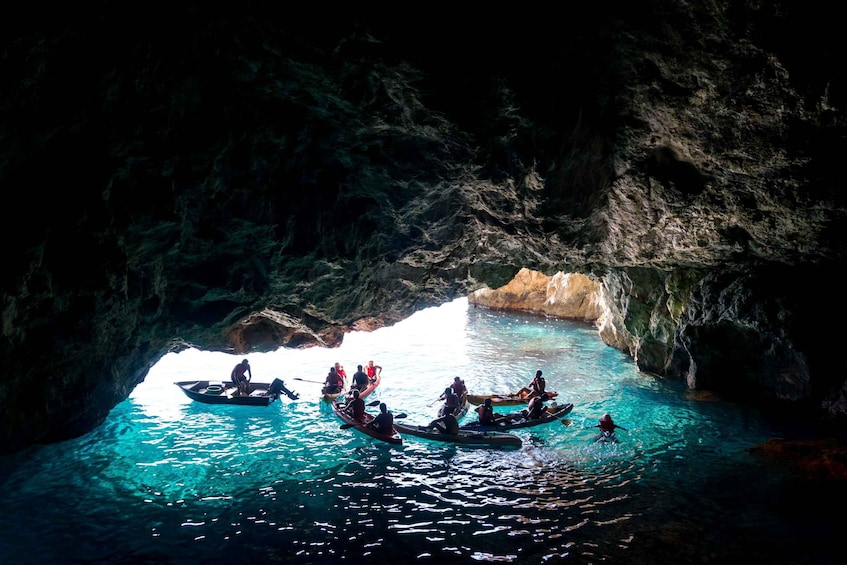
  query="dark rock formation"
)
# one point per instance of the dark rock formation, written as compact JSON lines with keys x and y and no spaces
{"x":246,"y":180}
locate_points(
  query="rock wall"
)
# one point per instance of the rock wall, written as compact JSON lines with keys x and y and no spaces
{"x":242,"y":180}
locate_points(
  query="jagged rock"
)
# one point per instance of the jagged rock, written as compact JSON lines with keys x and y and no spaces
{"x":243,"y":180}
{"x":572,"y":296}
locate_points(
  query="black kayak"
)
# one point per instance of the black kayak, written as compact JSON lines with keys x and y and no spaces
{"x":519,"y":420}
{"x":468,"y":437}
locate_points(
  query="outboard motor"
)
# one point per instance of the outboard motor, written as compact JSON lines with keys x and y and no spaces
{"x":278,"y":387}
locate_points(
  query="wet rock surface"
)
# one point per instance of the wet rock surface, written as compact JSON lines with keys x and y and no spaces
{"x":243,"y":181}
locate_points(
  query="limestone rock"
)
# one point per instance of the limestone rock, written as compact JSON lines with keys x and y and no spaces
{"x":564,"y":295}
{"x":244,"y":180}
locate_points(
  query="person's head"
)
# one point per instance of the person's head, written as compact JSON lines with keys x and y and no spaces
{"x":338,"y":366}
{"x":359,"y":367}
{"x":382,"y":407}
{"x":355,"y":393}
{"x":370,"y":363}
{"x":538,"y":373}
{"x":606,"y":418}
{"x":332,"y":369}
{"x":448,"y":390}
{"x":457,"y":380}
{"x":245,"y":363}
{"x":488,"y":402}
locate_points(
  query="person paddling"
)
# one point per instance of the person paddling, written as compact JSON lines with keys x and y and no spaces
{"x":607,"y":429}
{"x":384,"y":421}
{"x":451,"y":402}
{"x":334,"y":383}
{"x":355,"y":407}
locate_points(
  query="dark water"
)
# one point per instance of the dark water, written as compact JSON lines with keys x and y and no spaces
{"x":167,"y":480}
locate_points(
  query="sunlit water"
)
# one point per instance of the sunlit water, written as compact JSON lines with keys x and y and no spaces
{"x":169,"y":480}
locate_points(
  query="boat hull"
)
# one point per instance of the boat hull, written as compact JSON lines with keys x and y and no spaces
{"x":393,"y":438}
{"x":510,"y":399}
{"x":224,"y":392}
{"x":368,"y":390}
{"x":518,"y":421}
{"x":466,"y":437}
{"x":329,"y":397}
{"x":460,"y":411}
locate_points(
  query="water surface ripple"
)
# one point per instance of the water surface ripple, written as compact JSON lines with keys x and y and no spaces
{"x":167,"y":480}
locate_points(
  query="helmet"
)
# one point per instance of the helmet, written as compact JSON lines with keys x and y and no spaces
{"x":606,"y":417}
{"x":448,"y":390}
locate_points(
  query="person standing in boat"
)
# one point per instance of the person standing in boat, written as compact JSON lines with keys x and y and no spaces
{"x":356,"y":407}
{"x":446,"y":424}
{"x":334,"y":383}
{"x":360,"y":379}
{"x":607,"y":429}
{"x":241,"y":377}
{"x":384,"y":421}
{"x":372,"y":371}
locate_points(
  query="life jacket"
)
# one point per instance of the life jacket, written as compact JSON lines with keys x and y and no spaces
{"x":358,"y":406}
{"x":451,"y":400}
{"x":535,"y":408}
{"x":385,"y":422}
{"x":486,"y":414}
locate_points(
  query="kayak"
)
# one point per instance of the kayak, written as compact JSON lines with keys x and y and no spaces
{"x":367,"y":390}
{"x":460,"y":410}
{"x":393,"y":438}
{"x":329,"y":397}
{"x":519,"y":420}
{"x":510,"y":399}
{"x":467,"y":437}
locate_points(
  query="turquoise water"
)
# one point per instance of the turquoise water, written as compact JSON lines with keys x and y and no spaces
{"x":168,"y":480}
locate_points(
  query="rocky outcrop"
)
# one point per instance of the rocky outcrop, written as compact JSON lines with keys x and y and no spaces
{"x":564,"y":295}
{"x":244,"y":180}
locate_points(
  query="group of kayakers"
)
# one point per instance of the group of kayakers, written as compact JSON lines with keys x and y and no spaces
{"x":337,"y":377}
{"x":453,"y":397}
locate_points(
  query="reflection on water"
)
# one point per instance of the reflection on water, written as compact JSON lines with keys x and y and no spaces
{"x":167,"y":480}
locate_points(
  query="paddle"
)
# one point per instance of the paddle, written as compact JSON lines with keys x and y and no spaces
{"x":308,"y":381}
